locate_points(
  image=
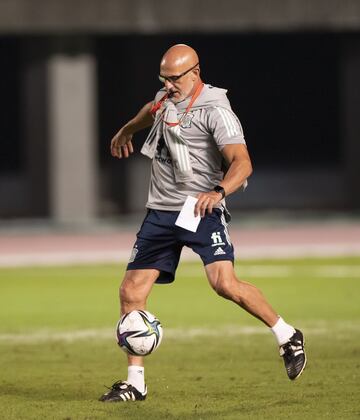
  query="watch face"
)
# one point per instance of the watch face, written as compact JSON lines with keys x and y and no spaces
{"x":220,"y":190}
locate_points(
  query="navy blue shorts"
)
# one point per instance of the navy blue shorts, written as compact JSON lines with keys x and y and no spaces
{"x":159,"y":242}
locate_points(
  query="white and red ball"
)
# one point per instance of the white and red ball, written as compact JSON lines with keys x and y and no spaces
{"x":139,"y":333}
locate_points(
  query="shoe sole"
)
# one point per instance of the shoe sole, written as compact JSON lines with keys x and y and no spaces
{"x":304,"y":365}
{"x":302,"y":370}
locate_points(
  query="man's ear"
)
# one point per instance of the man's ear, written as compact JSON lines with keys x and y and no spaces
{"x":196,"y":73}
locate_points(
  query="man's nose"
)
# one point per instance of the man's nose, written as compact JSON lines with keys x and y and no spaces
{"x":168,"y":85}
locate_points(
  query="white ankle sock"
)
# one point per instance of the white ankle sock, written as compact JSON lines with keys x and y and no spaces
{"x":136,"y":377}
{"x":282,"y":331}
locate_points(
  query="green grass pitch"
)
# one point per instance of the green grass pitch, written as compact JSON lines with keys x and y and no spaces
{"x":57,"y":346}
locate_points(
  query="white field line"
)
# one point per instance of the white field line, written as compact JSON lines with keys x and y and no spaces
{"x":122,"y":256}
{"x":337,"y":271}
{"x":281,"y":271}
{"x":177,"y":334}
{"x":259,"y":270}
{"x":63,"y":258}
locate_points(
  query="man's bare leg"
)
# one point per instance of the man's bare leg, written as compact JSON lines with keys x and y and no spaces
{"x":134,"y":291}
{"x":223,"y":280}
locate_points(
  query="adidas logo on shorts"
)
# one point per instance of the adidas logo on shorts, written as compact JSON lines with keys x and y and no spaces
{"x":219,"y":251}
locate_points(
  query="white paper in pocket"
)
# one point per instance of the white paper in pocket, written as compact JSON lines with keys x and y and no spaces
{"x":186,"y":218}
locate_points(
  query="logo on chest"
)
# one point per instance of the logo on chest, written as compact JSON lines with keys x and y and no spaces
{"x":185,"y":122}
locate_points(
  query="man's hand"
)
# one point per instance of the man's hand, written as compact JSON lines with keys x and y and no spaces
{"x":121,"y":145}
{"x":206,"y":202}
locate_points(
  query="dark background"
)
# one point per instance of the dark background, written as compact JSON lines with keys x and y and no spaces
{"x":283,"y":87}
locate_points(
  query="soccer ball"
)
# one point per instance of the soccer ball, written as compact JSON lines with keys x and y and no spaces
{"x":139,"y":333}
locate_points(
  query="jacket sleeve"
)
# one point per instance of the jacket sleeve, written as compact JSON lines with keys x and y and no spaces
{"x":225,"y":127}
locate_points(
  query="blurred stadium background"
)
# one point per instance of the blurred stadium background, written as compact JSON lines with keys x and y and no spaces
{"x":74,"y":71}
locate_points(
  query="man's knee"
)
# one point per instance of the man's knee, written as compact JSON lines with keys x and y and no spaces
{"x":225,"y":287}
{"x":223,"y":280}
{"x":136,"y":285}
{"x":127,"y":290}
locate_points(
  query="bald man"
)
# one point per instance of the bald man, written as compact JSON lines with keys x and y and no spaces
{"x":198,"y":149}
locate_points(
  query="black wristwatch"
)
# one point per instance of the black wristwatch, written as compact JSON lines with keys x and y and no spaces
{"x":220,"y":189}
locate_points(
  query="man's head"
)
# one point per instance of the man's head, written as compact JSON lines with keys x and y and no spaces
{"x":180,"y":60}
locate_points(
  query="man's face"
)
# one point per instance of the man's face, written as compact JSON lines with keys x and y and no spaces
{"x":179,"y":82}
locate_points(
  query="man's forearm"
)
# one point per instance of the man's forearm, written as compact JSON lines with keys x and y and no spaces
{"x":142,"y":119}
{"x":236,"y":175}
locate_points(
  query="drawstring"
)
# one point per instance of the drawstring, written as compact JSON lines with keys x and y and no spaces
{"x":156,"y":106}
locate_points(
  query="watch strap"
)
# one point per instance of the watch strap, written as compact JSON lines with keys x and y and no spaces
{"x":220,"y":189}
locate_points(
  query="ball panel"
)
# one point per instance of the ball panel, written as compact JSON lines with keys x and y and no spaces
{"x":139,"y":333}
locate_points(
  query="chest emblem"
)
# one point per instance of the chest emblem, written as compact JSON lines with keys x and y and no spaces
{"x":186,"y":120}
